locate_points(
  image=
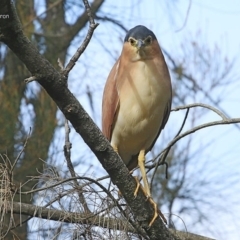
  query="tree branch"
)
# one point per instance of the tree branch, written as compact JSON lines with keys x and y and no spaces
{"x":221,"y":114}
{"x":67,"y":153}
{"x":67,"y":217}
{"x":214,"y":123}
{"x":225,"y":120}
{"x":86,"y":41}
{"x":82,"y":218}
{"x":191,"y":79}
{"x":82,"y":20}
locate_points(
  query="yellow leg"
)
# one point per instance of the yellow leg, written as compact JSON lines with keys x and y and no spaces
{"x":146,"y":189}
{"x":115,"y":148}
{"x":155,"y":211}
{"x":141,"y":164}
{"x":137,"y":188}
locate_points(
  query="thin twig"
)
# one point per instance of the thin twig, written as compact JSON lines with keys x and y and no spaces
{"x":186,"y":17}
{"x":114,"y":21}
{"x":184,"y":121}
{"x":86,"y":41}
{"x":48,"y":9}
{"x":65,"y":72}
{"x":133,"y":223}
{"x":67,"y":154}
{"x":61,"y":182}
{"x":189,"y":77}
{"x":167,"y":151}
{"x":195,"y":129}
{"x":89,"y":13}
{"x":221,"y":114}
{"x":20,"y":153}
{"x":90,"y":215}
{"x":90,"y":181}
{"x":162,"y":156}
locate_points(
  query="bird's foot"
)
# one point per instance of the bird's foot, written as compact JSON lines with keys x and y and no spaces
{"x":139,"y":185}
{"x":137,"y":188}
{"x":156,"y":213}
{"x":149,"y":198}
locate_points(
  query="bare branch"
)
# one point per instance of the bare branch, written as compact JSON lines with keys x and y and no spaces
{"x":20,"y":153}
{"x":89,"y":214}
{"x":89,"y":13}
{"x":48,"y":9}
{"x":62,"y":182}
{"x":68,"y":217}
{"x":164,"y":153}
{"x":162,"y":156}
{"x":222,"y":115}
{"x":198,"y":87}
{"x":186,"y":18}
{"x":85,"y":43}
{"x":114,"y":21}
{"x":73,"y":217}
{"x":67,"y":154}
{"x":214,"y":123}
{"x":167,"y":151}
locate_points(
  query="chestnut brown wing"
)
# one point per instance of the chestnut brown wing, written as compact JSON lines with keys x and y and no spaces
{"x":110,"y":102}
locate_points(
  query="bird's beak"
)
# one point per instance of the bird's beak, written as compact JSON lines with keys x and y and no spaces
{"x":140,"y":43}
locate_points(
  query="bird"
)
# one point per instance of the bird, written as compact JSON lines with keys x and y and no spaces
{"x":137,"y":100}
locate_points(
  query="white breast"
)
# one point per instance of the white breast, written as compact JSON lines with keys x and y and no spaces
{"x":143,"y":100}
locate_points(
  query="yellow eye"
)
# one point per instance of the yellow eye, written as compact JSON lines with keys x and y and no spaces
{"x":148,"y":40}
{"x":132,"y":41}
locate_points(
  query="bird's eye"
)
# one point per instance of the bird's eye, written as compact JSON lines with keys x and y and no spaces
{"x":131,"y":40}
{"x":148,"y":40}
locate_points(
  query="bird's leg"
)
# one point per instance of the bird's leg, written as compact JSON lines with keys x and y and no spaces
{"x":141,"y":164}
{"x":137,"y":188}
{"x":155,"y":211}
{"x":115,"y":148}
